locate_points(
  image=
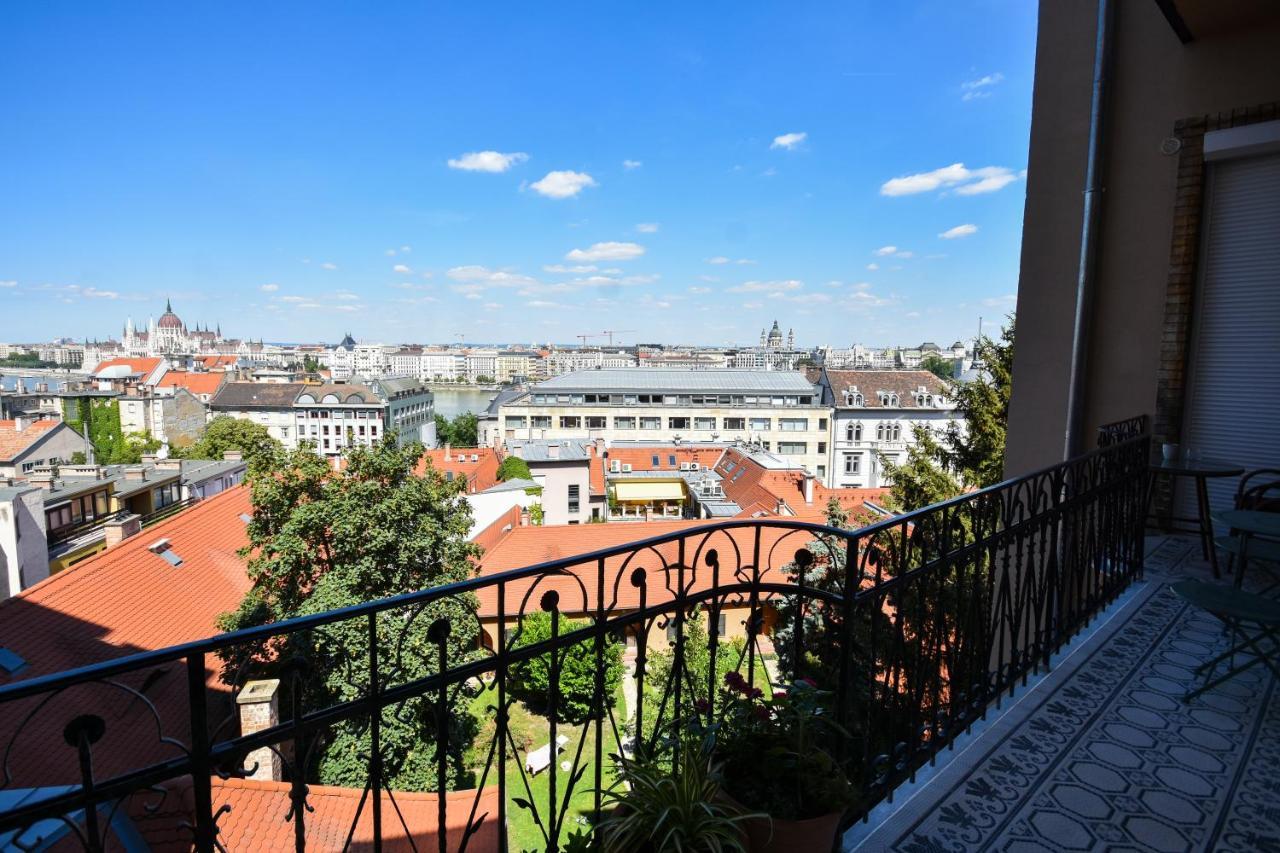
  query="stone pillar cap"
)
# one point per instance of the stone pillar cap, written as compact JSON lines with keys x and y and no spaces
{"x":262,"y":690}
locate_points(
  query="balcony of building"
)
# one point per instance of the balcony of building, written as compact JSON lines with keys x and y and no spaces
{"x":1028,"y":621}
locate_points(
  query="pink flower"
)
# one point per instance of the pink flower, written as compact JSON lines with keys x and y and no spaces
{"x":779,"y":694}
{"x":760,"y":712}
{"x":755,"y":693}
{"x":808,"y":682}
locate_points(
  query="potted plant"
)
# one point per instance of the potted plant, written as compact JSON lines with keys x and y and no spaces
{"x":672,"y":806}
{"x":773,"y":759}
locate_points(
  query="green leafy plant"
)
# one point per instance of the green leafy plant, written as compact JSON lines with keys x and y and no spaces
{"x":575,"y":701}
{"x":772,"y":750}
{"x":672,"y":807}
{"x":514,"y":468}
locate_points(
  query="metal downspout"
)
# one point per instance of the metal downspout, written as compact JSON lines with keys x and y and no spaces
{"x":1092,"y":217}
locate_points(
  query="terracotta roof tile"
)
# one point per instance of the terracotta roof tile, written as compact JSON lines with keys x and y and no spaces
{"x":196,"y":383}
{"x":145,"y":366}
{"x":481,"y":474}
{"x":124,"y":601}
{"x":14,"y":443}
{"x":641,"y":458}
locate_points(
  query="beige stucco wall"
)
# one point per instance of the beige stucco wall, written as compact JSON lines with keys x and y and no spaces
{"x":1157,"y":81}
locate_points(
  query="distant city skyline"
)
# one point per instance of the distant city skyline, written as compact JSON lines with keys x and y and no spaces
{"x":296,"y":172}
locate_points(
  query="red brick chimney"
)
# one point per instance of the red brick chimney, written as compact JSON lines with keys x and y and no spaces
{"x":259,"y":706}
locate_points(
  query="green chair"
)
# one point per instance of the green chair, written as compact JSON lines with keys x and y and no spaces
{"x":1258,"y":491}
{"x":1252,"y":620}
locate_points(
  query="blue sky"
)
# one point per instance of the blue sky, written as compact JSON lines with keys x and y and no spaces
{"x":689,"y":171}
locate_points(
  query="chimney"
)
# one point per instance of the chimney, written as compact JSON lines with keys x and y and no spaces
{"x":232,"y":456}
{"x":448,"y":452}
{"x":168,"y":464}
{"x":119,"y":529}
{"x":149,"y":458}
{"x":259,"y":707}
{"x":135,"y":472}
{"x":782,"y":507}
{"x":21,"y":422}
{"x":44,"y":481}
{"x":808,"y":487}
{"x":524,"y":516}
{"x":553,"y":450}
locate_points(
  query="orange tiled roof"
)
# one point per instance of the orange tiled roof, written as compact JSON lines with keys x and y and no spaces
{"x":481,"y":474}
{"x":13,"y":443}
{"x":494,"y":533}
{"x":196,"y":383}
{"x":641,"y":458}
{"x":145,"y":366}
{"x":215,"y":361}
{"x":120,"y":602}
{"x":758,"y":489}
{"x":257,"y":819}
{"x":528,"y":546}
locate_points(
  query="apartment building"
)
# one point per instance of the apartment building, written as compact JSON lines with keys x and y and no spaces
{"x":406,"y":361}
{"x":512,"y":365}
{"x":481,"y":364}
{"x":442,"y":365}
{"x":570,"y":476}
{"x":560,"y":362}
{"x":875,"y":413}
{"x":172,"y":415}
{"x":350,"y":359}
{"x":27,"y":443}
{"x":334,"y":416}
{"x":779,"y":411}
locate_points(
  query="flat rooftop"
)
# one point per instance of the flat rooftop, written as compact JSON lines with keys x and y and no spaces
{"x":646,"y":380}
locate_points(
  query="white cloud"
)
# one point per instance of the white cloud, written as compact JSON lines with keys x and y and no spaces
{"x":873,"y":266}
{"x":647,"y":228}
{"x":8,"y":284}
{"x":1001,"y":301}
{"x":482,"y":276}
{"x":542,"y":303}
{"x":390,"y":253}
{"x":965,"y":181}
{"x":346,"y":296}
{"x":402,"y":269}
{"x":328,"y":265}
{"x":475,"y":296}
{"x":745,"y":261}
{"x":487,"y":161}
{"x":959,"y":231}
{"x":94,"y":293}
{"x":564,"y":268}
{"x":270,"y":288}
{"x":789,"y":141}
{"x":699,"y":290}
{"x":718,"y":259}
{"x":293,"y":299}
{"x":767,"y":286}
{"x":608,"y":251}
{"x":631,"y":164}
{"x":565,"y":184}
{"x":886,"y":251}
{"x":406,"y":249}
{"x":980,"y":88}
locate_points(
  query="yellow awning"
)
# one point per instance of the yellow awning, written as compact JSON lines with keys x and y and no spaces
{"x":649,"y":491}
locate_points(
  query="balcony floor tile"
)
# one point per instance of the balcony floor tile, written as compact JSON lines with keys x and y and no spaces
{"x":1101,"y":752}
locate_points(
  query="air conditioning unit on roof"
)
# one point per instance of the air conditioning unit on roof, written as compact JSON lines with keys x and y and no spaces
{"x":684,"y":466}
{"x":694,"y":466}
{"x":626,"y":468}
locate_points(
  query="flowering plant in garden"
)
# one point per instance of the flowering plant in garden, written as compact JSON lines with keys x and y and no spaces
{"x":772,"y":750}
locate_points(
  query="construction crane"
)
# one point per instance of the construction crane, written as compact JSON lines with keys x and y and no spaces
{"x":612,"y":332}
{"x":583,"y":338}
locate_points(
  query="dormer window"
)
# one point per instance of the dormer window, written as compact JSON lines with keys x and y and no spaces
{"x":852,"y":397}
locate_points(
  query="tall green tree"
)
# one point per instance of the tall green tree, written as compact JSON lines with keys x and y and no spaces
{"x":938,"y":366}
{"x":462,"y":431}
{"x":576,"y":665}
{"x":225,"y":433}
{"x":970,"y":453}
{"x":321,"y":539}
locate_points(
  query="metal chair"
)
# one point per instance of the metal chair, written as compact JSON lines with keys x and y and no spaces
{"x":1258,"y":491}
{"x":1252,"y":622}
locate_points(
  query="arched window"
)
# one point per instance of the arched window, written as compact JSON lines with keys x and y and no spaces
{"x":895,"y":432}
{"x":881,"y":431}
{"x":893,"y":400}
{"x":853,"y":432}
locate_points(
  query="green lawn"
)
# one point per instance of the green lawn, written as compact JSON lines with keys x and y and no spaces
{"x":531,"y":730}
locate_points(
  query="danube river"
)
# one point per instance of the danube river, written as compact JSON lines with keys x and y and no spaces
{"x":454,"y":401}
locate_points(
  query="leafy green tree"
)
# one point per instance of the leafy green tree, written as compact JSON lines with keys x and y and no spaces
{"x":462,"y":431}
{"x":531,"y":680}
{"x":938,"y":366}
{"x":310,"y":364}
{"x":79,"y":458}
{"x":321,"y":539}
{"x":514,"y":468}
{"x":695,"y":684}
{"x":225,"y":433}
{"x":970,"y":454}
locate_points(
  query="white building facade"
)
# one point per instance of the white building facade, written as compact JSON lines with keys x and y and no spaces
{"x":874,"y":416}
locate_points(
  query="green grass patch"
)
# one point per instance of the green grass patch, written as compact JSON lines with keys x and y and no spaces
{"x":530,"y":730}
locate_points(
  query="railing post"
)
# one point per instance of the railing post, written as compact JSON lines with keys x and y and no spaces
{"x":375,"y":734}
{"x":640,"y":580}
{"x":439,"y":634}
{"x":601,"y":701}
{"x":501,"y":724}
{"x":201,"y":771}
{"x":849,"y":590}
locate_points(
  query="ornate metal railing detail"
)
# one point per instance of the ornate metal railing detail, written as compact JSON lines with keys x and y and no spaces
{"x":915,"y":625}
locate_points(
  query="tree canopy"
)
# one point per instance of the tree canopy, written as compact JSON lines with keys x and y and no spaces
{"x":531,"y":680}
{"x":462,"y":431}
{"x":321,"y":539}
{"x":937,"y":365}
{"x":970,"y":453}
{"x":225,"y":433}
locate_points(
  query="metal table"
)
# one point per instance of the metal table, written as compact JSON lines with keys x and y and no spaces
{"x":1200,"y":470}
{"x":1246,"y":524}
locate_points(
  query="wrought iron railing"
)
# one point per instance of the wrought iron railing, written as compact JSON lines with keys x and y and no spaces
{"x":915,"y":625}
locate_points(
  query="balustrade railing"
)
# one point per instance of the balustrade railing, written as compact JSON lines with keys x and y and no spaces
{"x":914,"y":625}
